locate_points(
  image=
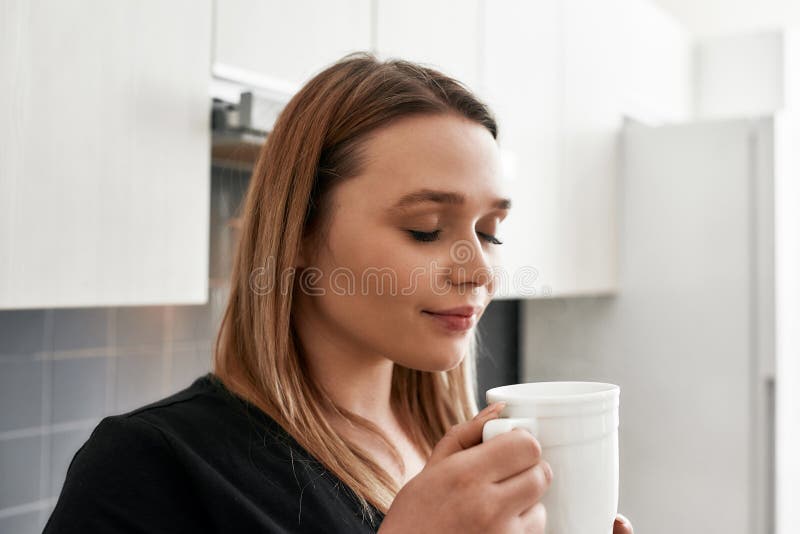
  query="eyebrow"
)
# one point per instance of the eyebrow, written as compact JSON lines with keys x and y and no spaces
{"x":443,"y":197}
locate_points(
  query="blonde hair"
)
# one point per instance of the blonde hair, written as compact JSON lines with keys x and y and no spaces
{"x":315,"y":144}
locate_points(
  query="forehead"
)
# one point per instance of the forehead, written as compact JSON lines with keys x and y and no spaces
{"x":439,"y":152}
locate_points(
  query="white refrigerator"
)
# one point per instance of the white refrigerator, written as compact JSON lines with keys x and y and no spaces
{"x":703,"y":332}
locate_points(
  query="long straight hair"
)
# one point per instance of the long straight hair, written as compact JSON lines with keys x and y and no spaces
{"x":314,"y":145}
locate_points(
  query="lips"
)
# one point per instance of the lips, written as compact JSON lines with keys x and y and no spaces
{"x":461,"y":311}
{"x":458,"y":319}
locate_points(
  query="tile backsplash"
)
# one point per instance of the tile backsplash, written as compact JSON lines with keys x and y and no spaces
{"x":63,"y":370}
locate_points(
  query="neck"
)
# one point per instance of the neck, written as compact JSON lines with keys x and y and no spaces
{"x":358,"y":382}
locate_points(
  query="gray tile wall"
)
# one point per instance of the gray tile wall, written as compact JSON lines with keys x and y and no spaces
{"x":62,"y":370}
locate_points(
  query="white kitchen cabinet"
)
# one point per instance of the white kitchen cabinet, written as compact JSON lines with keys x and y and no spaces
{"x":527,"y":99}
{"x":104,"y":152}
{"x":561,"y":75}
{"x":437,"y":32}
{"x":551,"y":74}
{"x":279,"y":44}
{"x":586,"y":240}
{"x":554,"y":72}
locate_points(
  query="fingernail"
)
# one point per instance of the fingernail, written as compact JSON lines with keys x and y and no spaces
{"x":485,"y":411}
{"x":548,"y":471}
{"x":498,"y":406}
{"x":488,"y":410}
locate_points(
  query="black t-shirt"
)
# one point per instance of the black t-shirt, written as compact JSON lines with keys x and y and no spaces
{"x":201,"y":460}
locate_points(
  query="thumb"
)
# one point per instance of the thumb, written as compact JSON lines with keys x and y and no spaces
{"x":464,"y":435}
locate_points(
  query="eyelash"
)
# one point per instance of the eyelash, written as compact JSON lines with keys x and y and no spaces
{"x":431,"y":236}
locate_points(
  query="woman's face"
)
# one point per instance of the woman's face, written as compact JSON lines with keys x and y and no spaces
{"x":388,"y":262}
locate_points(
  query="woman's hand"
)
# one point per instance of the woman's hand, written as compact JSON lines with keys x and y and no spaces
{"x":622,"y":525}
{"x":473,"y":487}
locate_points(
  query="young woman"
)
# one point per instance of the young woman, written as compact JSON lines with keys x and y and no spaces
{"x":342,"y":397}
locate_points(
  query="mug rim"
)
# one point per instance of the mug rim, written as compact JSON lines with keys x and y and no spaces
{"x":512,"y":393}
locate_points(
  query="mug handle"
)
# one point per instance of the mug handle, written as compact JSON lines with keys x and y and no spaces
{"x":495,"y":427}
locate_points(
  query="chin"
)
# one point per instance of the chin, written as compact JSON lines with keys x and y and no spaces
{"x":439,"y":363}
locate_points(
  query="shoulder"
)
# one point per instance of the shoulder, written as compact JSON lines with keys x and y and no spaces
{"x":140,"y":433}
{"x":121,"y":480}
{"x":199,"y":457}
{"x":204,"y":420}
{"x":195,"y":409}
{"x":128,"y":475}
{"x":205,"y":410}
{"x":121,"y":452}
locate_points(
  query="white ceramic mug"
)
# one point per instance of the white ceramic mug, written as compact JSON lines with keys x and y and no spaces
{"x":576,"y":423}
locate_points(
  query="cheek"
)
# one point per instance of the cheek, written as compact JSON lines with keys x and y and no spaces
{"x":391,"y":324}
{"x":375,"y":292}
{"x":406,"y":265}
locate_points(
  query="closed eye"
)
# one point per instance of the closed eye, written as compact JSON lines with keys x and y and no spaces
{"x":424,"y":236}
{"x":433,"y":236}
{"x":490,"y":238}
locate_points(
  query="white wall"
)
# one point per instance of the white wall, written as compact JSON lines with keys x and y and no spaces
{"x":657,"y":53}
{"x":715,"y":17}
{"x":787,"y":335}
{"x":740,"y":75}
{"x":791,"y":59}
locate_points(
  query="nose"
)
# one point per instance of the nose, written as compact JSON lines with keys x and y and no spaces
{"x":469,"y":264}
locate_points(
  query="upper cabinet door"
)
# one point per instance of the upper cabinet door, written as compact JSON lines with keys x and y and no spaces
{"x":559,"y":75}
{"x":441,"y":33}
{"x":522,"y":70}
{"x":282,"y":44}
{"x":546,"y":71}
{"x":591,"y":124}
{"x":104,"y":152}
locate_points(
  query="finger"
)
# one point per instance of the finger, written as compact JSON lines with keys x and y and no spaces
{"x":534,"y":519}
{"x":464,"y":435}
{"x":521,"y":491}
{"x":504,"y":455}
{"x":622,"y":525}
